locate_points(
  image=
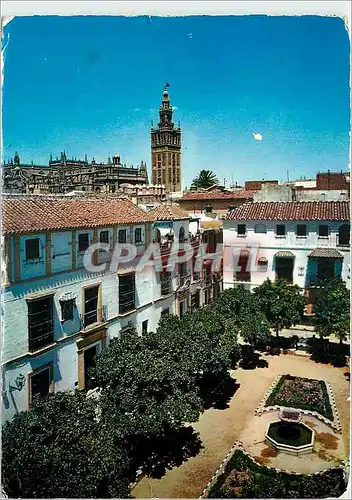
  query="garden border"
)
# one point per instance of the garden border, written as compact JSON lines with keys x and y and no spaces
{"x":239,"y":446}
{"x":335,"y":425}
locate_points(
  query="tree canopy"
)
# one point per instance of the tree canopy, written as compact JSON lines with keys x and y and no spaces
{"x":332,"y":309}
{"x":283,"y":304}
{"x":241,"y":312}
{"x":59,"y":449}
{"x":205,"y":179}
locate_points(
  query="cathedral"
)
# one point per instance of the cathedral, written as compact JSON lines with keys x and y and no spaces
{"x":64,"y":175}
{"x":166,"y":148}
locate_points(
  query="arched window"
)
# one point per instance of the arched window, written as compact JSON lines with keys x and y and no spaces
{"x":181,"y":234}
{"x":344,"y":235}
{"x":260,"y":228}
{"x":157,"y":235}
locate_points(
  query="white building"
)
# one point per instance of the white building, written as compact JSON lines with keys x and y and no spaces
{"x":299,"y":241}
{"x":57,"y":315}
{"x":194,"y":287}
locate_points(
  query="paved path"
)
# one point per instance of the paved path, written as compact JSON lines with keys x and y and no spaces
{"x":219,"y":429}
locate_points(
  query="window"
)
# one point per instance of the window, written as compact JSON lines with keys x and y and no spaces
{"x":260,"y":228}
{"x":280,"y":230}
{"x":344,"y":235}
{"x":126,"y":293}
{"x":241,"y":229}
{"x":91,"y":295}
{"x":165,"y":312}
{"x":165,"y":283}
{"x":195,"y":300}
{"x":301,"y":231}
{"x":144,"y":327}
{"x":206,"y":297}
{"x":244,"y":273}
{"x":326,"y":268}
{"x":323,"y":231}
{"x":32,"y":249}
{"x":182,"y":308}
{"x":104,"y":237}
{"x":284,"y":268}
{"x":181,"y":234}
{"x":122,"y":236}
{"x":67,"y":309}
{"x":89,"y":362}
{"x":138,"y":235}
{"x":83,"y":242}
{"x":40,"y":323}
{"x":41,"y":383}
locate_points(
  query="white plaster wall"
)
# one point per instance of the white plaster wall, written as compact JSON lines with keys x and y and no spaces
{"x":32,"y":269}
{"x":61,"y":251}
{"x":267,"y":245}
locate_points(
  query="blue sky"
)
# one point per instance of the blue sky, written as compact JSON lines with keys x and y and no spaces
{"x":93,"y":84}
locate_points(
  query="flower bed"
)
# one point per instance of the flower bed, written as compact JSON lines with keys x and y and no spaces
{"x":243,"y":478}
{"x":302,"y":393}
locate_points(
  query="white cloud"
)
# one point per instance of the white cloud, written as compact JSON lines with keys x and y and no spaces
{"x":257,"y":136}
{"x":136,"y":109}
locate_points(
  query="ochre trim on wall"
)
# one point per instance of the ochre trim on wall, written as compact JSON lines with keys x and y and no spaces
{"x":82,"y":344}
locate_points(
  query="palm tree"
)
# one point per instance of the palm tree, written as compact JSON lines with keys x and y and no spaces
{"x":205,"y":179}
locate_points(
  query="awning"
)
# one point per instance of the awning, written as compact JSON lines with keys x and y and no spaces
{"x":285,"y":253}
{"x":262,"y":260}
{"x":330,"y":253}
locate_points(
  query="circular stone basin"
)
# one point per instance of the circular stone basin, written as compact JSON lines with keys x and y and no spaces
{"x":290,"y":437}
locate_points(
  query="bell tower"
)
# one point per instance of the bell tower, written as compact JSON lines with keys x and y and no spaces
{"x":166,"y":148}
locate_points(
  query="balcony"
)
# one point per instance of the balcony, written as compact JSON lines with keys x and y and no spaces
{"x":243,"y":276}
{"x":93,"y":317}
{"x":183,"y":280}
{"x":196,"y":276}
{"x":37,"y":343}
{"x":208,"y":280}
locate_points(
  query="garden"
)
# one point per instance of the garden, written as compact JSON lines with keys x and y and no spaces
{"x":302,"y":393}
{"x":243,"y":478}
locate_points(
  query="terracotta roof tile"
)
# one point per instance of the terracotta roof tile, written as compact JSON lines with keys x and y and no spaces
{"x":168,"y":212}
{"x":33,"y":214}
{"x":295,"y":210}
{"x":326,"y":252}
{"x":217,"y":195}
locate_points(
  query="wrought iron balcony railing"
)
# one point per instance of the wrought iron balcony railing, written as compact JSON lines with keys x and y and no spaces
{"x":98,"y":315}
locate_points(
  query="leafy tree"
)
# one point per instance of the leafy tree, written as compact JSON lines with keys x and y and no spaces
{"x":282,"y":303}
{"x":59,"y":449}
{"x":332,"y":309}
{"x":205,"y":179}
{"x":239,"y":309}
{"x":147,"y":393}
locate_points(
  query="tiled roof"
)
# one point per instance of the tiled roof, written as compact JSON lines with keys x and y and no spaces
{"x":292,"y":210}
{"x":33,"y":214}
{"x":331,"y":253}
{"x":168,"y":212}
{"x":217,"y":195}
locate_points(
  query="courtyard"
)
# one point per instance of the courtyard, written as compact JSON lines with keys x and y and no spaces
{"x":219,"y":429}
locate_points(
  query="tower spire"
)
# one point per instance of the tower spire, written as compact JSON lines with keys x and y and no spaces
{"x":166,"y":147}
